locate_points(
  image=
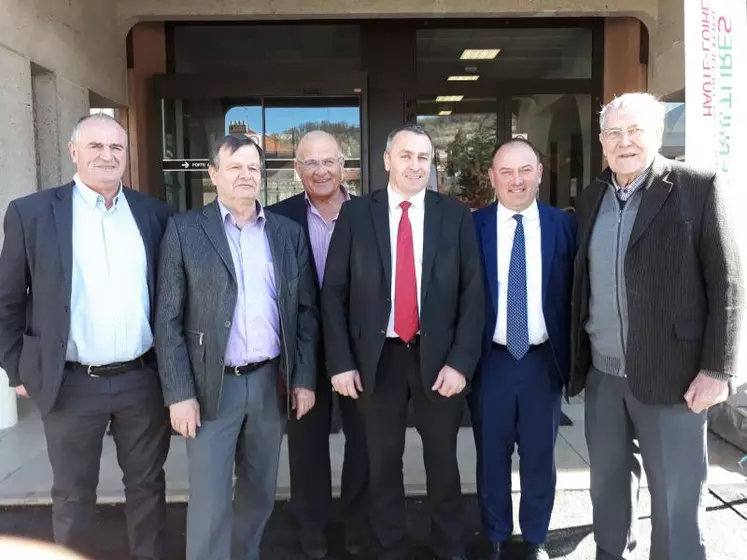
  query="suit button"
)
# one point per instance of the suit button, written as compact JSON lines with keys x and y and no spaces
{"x":67,"y":309}
{"x":228,"y":324}
{"x":382,"y":331}
{"x":220,"y":361}
{"x":62,"y":344}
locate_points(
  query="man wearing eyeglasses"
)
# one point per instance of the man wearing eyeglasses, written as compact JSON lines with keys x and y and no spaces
{"x":320,"y":165}
{"x":656,"y":303}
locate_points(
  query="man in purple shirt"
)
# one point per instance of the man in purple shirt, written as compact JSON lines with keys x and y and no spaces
{"x":236,"y":324}
{"x":319,"y":164}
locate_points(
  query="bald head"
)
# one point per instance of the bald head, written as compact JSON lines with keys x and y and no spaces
{"x":319,"y":164}
{"x":314,"y":140}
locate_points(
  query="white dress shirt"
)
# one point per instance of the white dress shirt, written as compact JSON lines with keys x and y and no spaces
{"x":533,"y":249}
{"x":109,"y":303}
{"x":416,"y":213}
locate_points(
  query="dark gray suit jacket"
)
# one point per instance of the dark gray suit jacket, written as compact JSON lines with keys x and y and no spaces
{"x":684,"y":282}
{"x":197,"y":292}
{"x":356,"y":293}
{"x":35,"y":283}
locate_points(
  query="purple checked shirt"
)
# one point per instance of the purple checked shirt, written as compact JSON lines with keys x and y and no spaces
{"x":255,"y":329}
{"x":320,"y":234}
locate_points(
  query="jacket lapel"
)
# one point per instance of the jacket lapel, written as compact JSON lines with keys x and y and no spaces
{"x":216,"y":233}
{"x":380,"y":217}
{"x":431,"y":238}
{"x":142,"y":219}
{"x":547,"y":234}
{"x":489,"y":238}
{"x":657,"y":191}
{"x":62,"y":208}
{"x":276,"y":240}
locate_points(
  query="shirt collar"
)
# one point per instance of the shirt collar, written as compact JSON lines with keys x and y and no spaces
{"x":531,"y":213}
{"x":635,"y":183}
{"x":345,"y":196}
{"x":91,"y":197}
{"x":418,"y":201}
{"x":225,"y":214}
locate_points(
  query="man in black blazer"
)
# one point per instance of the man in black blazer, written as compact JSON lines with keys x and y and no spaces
{"x":657,"y":297}
{"x":320,"y":165}
{"x":402,"y":314}
{"x":77,"y":289}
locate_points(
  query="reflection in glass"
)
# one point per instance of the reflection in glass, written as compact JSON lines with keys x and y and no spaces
{"x":560,"y":127}
{"x":284,"y":127}
{"x":673,"y":144}
{"x":463,"y":144}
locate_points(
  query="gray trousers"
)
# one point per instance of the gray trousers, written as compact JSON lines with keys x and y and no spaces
{"x":246,"y":435}
{"x":671,"y":445}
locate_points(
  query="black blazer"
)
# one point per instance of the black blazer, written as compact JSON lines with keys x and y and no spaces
{"x":356,"y":295}
{"x":684,"y":283}
{"x":295,"y":208}
{"x":35,"y":283}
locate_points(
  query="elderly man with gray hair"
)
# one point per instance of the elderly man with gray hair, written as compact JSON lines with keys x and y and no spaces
{"x":656,"y":302}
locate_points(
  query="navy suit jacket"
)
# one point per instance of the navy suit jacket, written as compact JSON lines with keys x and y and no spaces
{"x":558,"y":232}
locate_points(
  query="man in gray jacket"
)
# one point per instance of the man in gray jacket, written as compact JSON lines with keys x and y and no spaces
{"x":656,"y":302}
{"x":236,"y":308}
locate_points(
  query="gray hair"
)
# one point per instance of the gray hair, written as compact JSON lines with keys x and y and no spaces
{"x":645,"y":105}
{"x":414,"y":128}
{"x":232,"y":143}
{"x":93,"y":117}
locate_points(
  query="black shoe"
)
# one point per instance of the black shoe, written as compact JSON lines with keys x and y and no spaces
{"x":314,"y":545}
{"x":536,"y":552}
{"x":495,"y":552}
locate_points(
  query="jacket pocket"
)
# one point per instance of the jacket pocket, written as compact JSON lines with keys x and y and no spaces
{"x":196,"y":346}
{"x":29,"y":363}
{"x":689,"y":330}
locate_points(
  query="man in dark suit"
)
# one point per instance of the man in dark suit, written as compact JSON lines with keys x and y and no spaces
{"x":77,"y":287}
{"x":236,"y":307}
{"x":656,"y":302}
{"x":527,"y":251}
{"x":402,"y":309}
{"x":320,"y":165}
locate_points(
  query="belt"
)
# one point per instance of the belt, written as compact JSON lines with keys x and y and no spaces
{"x":246,"y":368}
{"x":399,"y":342}
{"x":116,"y":368}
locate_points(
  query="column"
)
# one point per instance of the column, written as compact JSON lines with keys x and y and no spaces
{"x":17,"y":167}
{"x":58,"y":104}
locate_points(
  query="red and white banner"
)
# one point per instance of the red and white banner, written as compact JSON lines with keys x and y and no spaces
{"x":716,"y":104}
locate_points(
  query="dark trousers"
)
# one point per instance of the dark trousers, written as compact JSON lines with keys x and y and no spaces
{"x":309,"y":461}
{"x":516,"y":403}
{"x":398,"y":380}
{"x":132,"y":402}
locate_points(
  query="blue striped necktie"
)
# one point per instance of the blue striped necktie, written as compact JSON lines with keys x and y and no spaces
{"x":517,"y":326}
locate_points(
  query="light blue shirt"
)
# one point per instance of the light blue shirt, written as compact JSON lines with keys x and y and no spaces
{"x":109,"y":300}
{"x":254,"y":334}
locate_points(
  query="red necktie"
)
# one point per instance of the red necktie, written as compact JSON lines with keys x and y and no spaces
{"x":405,"y":287}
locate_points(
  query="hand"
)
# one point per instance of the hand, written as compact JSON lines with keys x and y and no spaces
{"x":704,"y":392}
{"x":449,"y":382}
{"x":185,"y":417}
{"x":21,"y":392}
{"x":347,"y":383}
{"x":302,"y":400}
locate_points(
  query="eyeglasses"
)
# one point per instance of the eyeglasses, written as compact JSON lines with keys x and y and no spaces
{"x":614,"y":135}
{"x":311,"y":164}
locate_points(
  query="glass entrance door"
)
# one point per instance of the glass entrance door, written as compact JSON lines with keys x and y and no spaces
{"x":191,"y":126}
{"x":465,"y":130}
